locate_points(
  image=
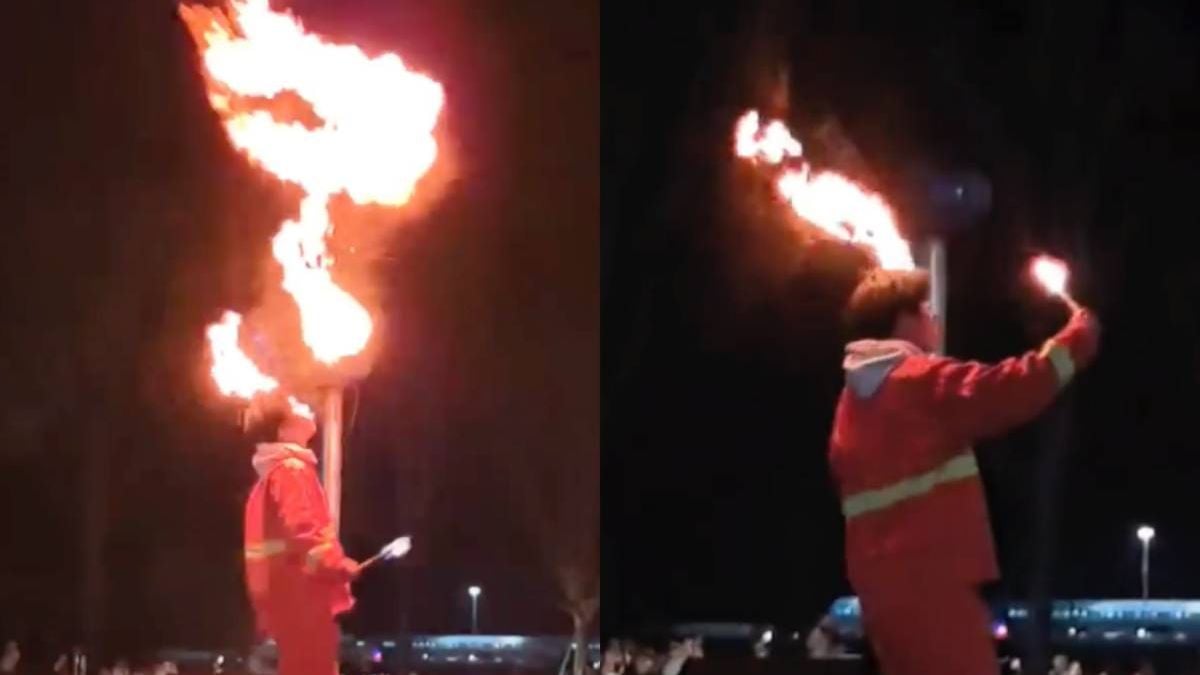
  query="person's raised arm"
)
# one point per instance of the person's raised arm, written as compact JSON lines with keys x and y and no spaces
{"x":982,"y":400}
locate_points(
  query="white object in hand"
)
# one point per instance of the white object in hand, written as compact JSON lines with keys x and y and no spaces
{"x":1051,"y":274}
{"x":397,"y":548}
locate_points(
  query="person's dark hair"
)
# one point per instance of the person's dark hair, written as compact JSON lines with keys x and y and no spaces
{"x":879,"y":300}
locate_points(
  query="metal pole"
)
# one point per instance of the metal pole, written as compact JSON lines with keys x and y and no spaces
{"x":937,"y":286}
{"x":331,"y":454}
{"x":475,"y":613}
{"x":1145,"y":569}
{"x":331,"y":460}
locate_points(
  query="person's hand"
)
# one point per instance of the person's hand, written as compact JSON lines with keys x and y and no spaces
{"x":350,"y":569}
{"x":1085,"y":330}
{"x":1085,"y":317}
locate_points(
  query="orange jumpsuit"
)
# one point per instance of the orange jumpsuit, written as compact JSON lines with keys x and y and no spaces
{"x":297,"y":575}
{"x":918,"y":538}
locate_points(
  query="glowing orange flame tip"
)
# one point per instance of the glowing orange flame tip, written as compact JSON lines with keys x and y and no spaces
{"x":827,"y":199}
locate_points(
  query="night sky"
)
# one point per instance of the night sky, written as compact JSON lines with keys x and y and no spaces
{"x":721,"y":350}
{"x":130,"y":223}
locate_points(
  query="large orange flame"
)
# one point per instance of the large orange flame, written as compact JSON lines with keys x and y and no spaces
{"x":372,"y":140}
{"x":830,"y":201}
{"x":234,"y":372}
{"x":771,"y":144}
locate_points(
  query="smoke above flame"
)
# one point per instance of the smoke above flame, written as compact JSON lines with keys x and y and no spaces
{"x":329,"y":119}
{"x":828,"y":200}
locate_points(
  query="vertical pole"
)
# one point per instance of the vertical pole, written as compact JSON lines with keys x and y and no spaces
{"x":937,"y":286}
{"x":1145,"y":569}
{"x":331,"y":454}
{"x":475,"y":613}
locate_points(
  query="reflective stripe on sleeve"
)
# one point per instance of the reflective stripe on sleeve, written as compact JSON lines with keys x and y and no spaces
{"x":265,"y":549}
{"x":1060,"y":358}
{"x":957,"y":468}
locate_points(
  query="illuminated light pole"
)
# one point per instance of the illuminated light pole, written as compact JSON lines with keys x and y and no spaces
{"x":937,"y":288}
{"x":331,"y":454}
{"x":474,"y":592}
{"x":951,"y":201}
{"x":1145,"y":534}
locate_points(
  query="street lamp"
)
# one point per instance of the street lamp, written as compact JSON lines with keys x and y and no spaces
{"x":950,"y":201}
{"x":474,"y":592}
{"x":1145,"y":534}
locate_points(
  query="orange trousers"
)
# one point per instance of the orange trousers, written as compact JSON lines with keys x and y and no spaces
{"x":307,"y":642}
{"x":929,"y":627}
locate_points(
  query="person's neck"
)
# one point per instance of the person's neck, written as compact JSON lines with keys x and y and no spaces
{"x":910,"y":340}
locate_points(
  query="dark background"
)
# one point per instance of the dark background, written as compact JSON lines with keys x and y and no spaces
{"x":130,"y":223}
{"x":721,"y":350}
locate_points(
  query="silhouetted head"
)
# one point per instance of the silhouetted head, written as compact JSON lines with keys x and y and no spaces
{"x":893,"y":304}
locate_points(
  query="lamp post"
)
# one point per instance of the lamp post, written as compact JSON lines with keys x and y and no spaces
{"x":331,"y":454}
{"x":949,"y":201}
{"x":474,"y":592}
{"x":1145,"y":534}
{"x":937,"y":287}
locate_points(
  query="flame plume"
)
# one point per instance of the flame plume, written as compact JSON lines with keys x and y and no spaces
{"x":329,"y":119}
{"x":827,"y":199}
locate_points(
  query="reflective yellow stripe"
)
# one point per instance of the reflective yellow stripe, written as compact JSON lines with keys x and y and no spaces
{"x":1060,"y":358}
{"x":959,"y":467}
{"x":314,"y":555}
{"x":265,"y":549}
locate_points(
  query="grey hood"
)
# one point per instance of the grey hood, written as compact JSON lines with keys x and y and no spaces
{"x":868,"y":363}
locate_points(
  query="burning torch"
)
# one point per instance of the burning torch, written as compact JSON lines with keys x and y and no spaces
{"x":1052,"y":275}
{"x":393,"y":550}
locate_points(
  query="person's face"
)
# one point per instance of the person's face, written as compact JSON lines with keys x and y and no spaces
{"x":297,"y":430}
{"x":920,"y":328}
